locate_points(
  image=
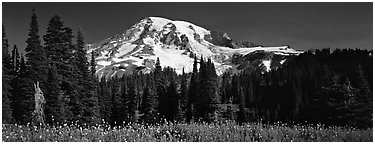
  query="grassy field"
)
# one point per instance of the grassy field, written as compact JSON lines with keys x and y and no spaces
{"x":193,"y":132}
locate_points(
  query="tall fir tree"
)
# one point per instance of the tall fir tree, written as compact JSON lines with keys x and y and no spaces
{"x":225,"y":88}
{"x":235,"y":89}
{"x":54,"y":101}
{"x":53,"y":40}
{"x":80,"y":55}
{"x":92,"y":64}
{"x":212,"y":89}
{"x":193,"y":91}
{"x":5,"y":51}
{"x":105,"y":100}
{"x":18,"y":84}
{"x":148,"y":105}
{"x":23,"y":67}
{"x":158,"y":68}
{"x":35,"y":54}
{"x":36,"y":69}
{"x":172,"y":101}
{"x":15,"y":60}
{"x":6,"y":78}
{"x":61,"y":52}
{"x":115,"y":102}
{"x":131,"y":103}
{"x":86,"y":83}
{"x":160,"y":89}
{"x":15,"y":83}
{"x":202,"y":102}
{"x":184,"y":94}
{"x":364,"y":99}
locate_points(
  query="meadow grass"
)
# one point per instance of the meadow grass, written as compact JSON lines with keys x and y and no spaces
{"x":182,"y":132}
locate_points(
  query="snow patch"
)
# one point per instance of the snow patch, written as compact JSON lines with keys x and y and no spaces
{"x":149,"y":41}
{"x":103,"y":53}
{"x":173,"y":58}
{"x":158,"y":23}
{"x":267,"y":64}
{"x":124,"y":49}
{"x":113,"y":73}
{"x":183,"y":26}
{"x":282,"y":61}
{"x":104,"y":63}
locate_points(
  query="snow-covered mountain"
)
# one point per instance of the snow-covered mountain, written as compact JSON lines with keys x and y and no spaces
{"x":175,"y":43}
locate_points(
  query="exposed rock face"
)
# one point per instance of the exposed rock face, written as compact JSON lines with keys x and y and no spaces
{"x":168,"y":35}
{"x":219,"y":38}
{"x":150,"y":63}
{"x":185,"y":43}
{"x":176,"y":43}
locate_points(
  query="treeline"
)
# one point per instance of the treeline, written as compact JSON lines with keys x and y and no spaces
{"x":320,"y":86}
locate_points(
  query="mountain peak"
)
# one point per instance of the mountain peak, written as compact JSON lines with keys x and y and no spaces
{"x":176,"y":43}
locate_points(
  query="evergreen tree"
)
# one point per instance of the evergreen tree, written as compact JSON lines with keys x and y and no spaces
{"x":172,"y":101}
{"x":193,"y":90}
{"x":297,"y":100}
{"x":35,"y":71}
{"x":80,"y":55}
{"x":54,"y":40}
{"x":158,"y":68}
{"x":35,"y":54}
{"x":235,"y":89}
{"x":184,"y":94}
{"x":131,"y":103}
{"x":17,"y":85}
{"x":23,"y":66}
{"x":362,"y":84}
{"x":148,"y":105}
{"x":115,"y":102}
{"x":178,"y":112}
{"x":15,"y":82}
{"x":54,"y":100}
{"x":86,"y":82}
{"x":335,"y":97}
{"x":363,"y":100}
{"x":160,"y":89}
{"x":6,"y":78}
{"x":229,"y":114}
{"x":212,"y":91}
{"x":104,"y":99}
{"x":225,"y":88}
{"x":6,"y":109}
{"x":93,"y":64}
{"x":202,"y":72}
{"x":15,"y":61}
{"x":60,"y":52}
{"x":206,"y":105}
{"x":5,"y":52}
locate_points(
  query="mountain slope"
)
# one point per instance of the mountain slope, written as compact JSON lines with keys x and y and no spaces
{"x":175,"y":43}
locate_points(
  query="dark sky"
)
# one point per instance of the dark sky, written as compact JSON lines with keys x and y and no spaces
{"x":300,"y":25}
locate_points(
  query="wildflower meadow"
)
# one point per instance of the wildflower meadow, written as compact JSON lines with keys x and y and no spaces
{"x":185,"y":132}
